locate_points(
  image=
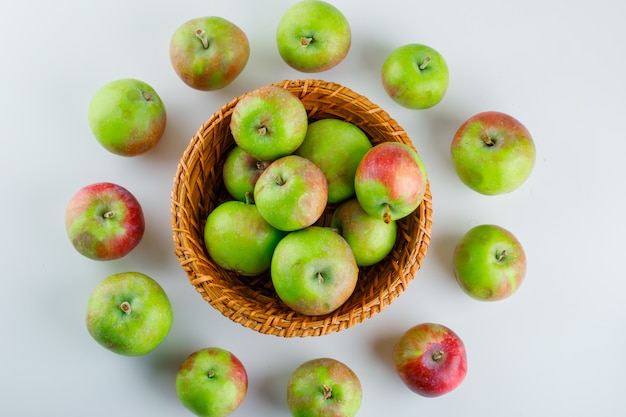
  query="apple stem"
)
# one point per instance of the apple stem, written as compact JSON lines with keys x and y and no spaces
{"x":387,"y":214}
{"x":424,"y":63}
{"x":320,"y":278}
{"x":501,"y":255}
{"x":328,"y":391}
{"x":201,"y":34}
{"x":147,"y":96}
{"x":108,"y":215}
{"x":125,"y":307}
{"x":305,"y":41}
{"x":438,"y":356}
{"x":488,"y":140}
{"x":262,"y":130}
{"x":211,"y":373}
{"x":249,"y":198}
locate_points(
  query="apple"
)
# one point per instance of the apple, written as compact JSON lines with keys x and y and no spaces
{"x":336,"y":147}
{"x":237,"y":238}
{"x":129,"y":313}
{"x":313,"y":36}
{"x":390,"y":181}
{"x":127,"y":117}
{"x":324,"y":387}
{"x":269,"y":122}
{"x":211,"y":382}
{"x":415,"y":76}
{"x":370,"y":238}
{"x":430,"y":359}
{"x":291,"y":193}
{"x":208,"y":53}
{"x":314,"y":270}
{"x":104,"y":221}
{"x":241,"y":172}
{"x":489,"y":262}
{"x":493,"y":153}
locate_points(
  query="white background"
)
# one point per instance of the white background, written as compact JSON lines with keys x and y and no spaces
{"x":557,"y":347}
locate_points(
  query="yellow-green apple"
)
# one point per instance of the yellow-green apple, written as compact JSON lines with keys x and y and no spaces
{"x":415,"y":76}
{"x":314,"y":270}
{"x":127,"y":117}
{"x":211,"y":382}
{"x":430,"y":359}
{"x":390,"y":181}
{"x":493,"y":153}
{"x":269,"y":122}
{"x":336,"y":147}
{"x":237,"y":238}
{"x":489,"y":262}
{"x":104,"y":221}
{"x":240,"y":172}
{"x":313,"y":36}
{"x":129,"y":313}
{"x":209,"y":53}
{"x":324,"y":387}
{"x":291,"y":193}
{"x":370,"y":238}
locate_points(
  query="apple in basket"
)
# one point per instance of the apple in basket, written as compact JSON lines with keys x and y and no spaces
{"x":241,"y":172}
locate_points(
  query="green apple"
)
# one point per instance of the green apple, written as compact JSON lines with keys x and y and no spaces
{"x":336,"y":147}
{"x":127,"y":117}
{"x":209,"y":52}
{"x":129,"y":313}
{"x":415,"y":76}
{"x":237,"y":238}
{"x":241,"y":172}
{"x":313,"y":36}
{"x":269,"y":122}
{"x":370,"y":238}
{"x":211,"y":382}
{"x":489,"y":263}
{"x":314,"y":270}
{"x":324,"y":387}
{"x":493,"y":153}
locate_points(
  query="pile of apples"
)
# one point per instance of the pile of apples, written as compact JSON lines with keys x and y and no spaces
{"x":283,"y":173}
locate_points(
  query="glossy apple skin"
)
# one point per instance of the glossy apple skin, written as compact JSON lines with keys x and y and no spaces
{"x":291,"y":193}
{"x":127,"y":117}
{"x":415,"y":76}
{"x":313,"y":36}
{"x":237,"y":238}
{"x":269,"y":122}
{"x":430,"y":359}
{"x":211,"y":382}
{"x":324,"y":387}
{"x":208,"y":53}
{"x":390,"y":181}
{"x":370,"y":238}
{"x":104,"y":221}
{"x":314,"y":270}
{"x":336,"y":147}
{"x":129,"y":313}
{"x":241,"y":172}
{"x":493,"y":153}
{"x":489,"y":263}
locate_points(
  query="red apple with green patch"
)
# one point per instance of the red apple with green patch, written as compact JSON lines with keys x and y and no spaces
{"x":208,"y":53}
{"x":430,"y":359}
{"x":211,"y":382}
{"x":104,"y":221}
{"x":241,"y":172}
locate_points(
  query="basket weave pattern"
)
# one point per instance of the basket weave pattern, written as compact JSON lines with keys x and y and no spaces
{"x":251,"y":301}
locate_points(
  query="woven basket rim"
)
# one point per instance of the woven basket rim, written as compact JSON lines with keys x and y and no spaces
{"x":252,"y":306}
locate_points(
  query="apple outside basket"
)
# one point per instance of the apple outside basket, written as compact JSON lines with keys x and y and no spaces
{"x":251,"y":301}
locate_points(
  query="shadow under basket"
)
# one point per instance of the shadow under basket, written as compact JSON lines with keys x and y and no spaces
{"x":251,"y":301}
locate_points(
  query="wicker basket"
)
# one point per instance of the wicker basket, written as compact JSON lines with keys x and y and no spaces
{"x":252,"y":302}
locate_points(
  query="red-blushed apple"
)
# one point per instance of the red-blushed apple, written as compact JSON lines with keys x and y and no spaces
{"x":489,"y":262}
{"x":129,"y":313}
{"x":127,"y":117}
{"x":314,"y":270}
{"x":269,"y":122}
{"x":390,"y":181}
{"x":370,"y":238}
{"x":430,"y":359}
{"x":104,"y":221}
{"x":208,"y":53}
{"x":291,"y":193}
{"x":241,"y":172}
{"x":324,"y":387}
{"x":237,"y":238}
{"x":493,"y":153}
{"x":211,"y":382}
{"x":336,"y":147}
{"x":313,"y":36}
